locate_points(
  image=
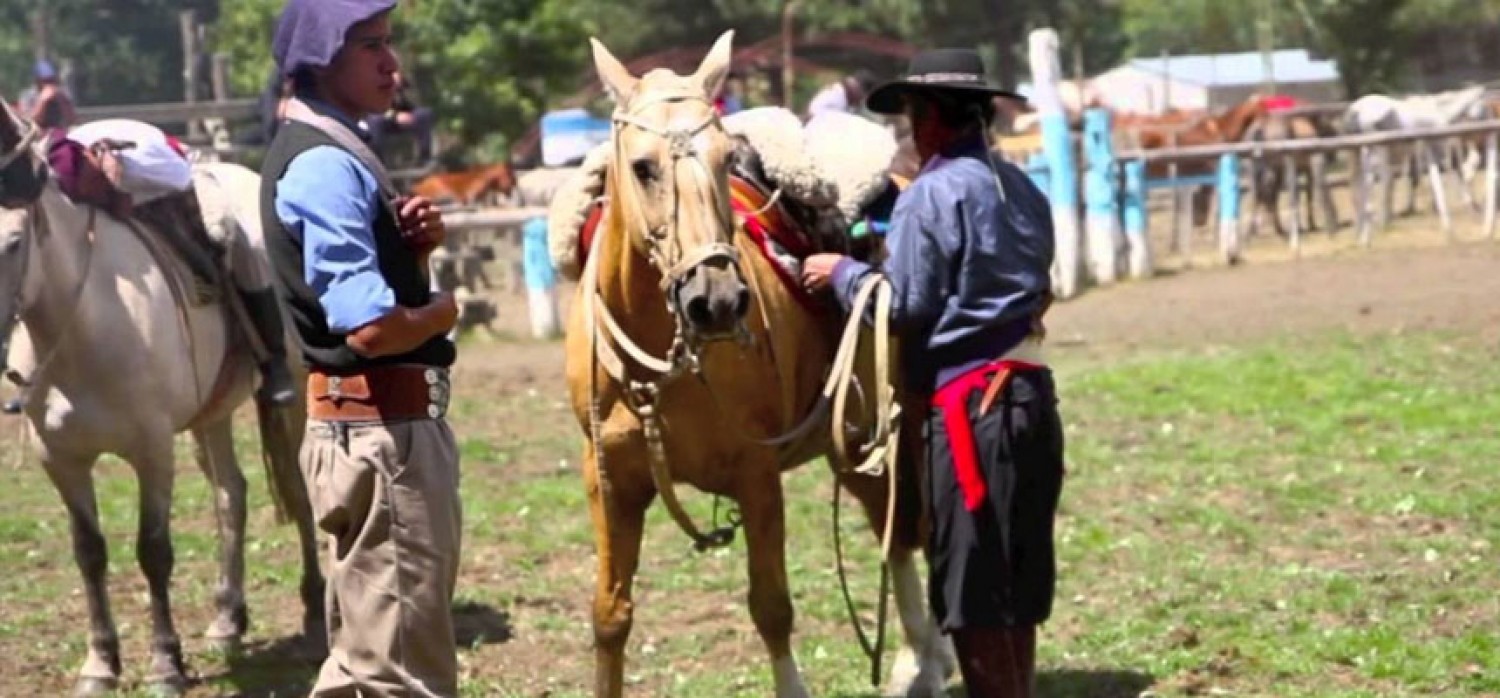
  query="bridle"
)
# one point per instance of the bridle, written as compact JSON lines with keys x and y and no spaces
{"x":37,"y":235}
{"x":663,"y":246}
{"x":665,"y":252}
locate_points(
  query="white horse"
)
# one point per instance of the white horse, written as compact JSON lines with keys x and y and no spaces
{"x":1373,"y":113}
{"x":121,"y":368}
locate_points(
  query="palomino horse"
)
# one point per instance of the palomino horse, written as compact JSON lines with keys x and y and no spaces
{"x":121,"y":368}
{"x":1373,"y":113}
{"x":669,"y":276}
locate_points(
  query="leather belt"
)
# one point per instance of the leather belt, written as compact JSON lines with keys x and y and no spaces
{"x":380,"y":394}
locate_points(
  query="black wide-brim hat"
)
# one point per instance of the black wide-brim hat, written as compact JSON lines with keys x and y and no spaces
{"x":956,"y":71}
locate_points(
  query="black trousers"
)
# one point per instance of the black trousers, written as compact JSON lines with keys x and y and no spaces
{"x":995,"y":566}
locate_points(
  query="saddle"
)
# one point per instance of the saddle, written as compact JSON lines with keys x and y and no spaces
{"x":798,"y":190}
{"x":92,"y":176}
{"x":178,"y":221}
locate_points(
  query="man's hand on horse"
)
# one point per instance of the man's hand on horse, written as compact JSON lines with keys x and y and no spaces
{"x":421,"y":223}
{"x":817,"y":271}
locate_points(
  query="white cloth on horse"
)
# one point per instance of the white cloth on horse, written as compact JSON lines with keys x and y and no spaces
{"x":150,"y":169}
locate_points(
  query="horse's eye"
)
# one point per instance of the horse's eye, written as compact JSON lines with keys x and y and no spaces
{"x":645,"y":170}
{"x":10,"y":245}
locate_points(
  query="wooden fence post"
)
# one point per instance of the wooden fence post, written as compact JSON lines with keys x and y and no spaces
{"x":1364,"y":170}
{"x":1057,"y":144}
{"x":541,"y":282}
{"x":1290,"y":185}
{"x":1103,"y":223}
{"x":1491,"y":180}
{"x":1136,"y":230}
{"x":1229,"y":208}
{"x":1435,"y":176}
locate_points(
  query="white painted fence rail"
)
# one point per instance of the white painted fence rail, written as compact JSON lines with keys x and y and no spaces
{"x":1304,"y":146}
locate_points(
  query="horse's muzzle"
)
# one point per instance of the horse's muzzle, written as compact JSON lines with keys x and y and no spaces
{"x":713,"y":299}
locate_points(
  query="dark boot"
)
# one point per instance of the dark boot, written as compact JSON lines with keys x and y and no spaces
{"x":997,"y":662}
{"x":18,"y":403}
{"x":276,"y":386}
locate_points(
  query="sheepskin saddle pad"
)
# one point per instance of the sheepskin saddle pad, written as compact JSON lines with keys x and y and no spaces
{"x":798,"y":183}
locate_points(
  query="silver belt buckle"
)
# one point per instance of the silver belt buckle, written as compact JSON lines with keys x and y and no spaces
{"x":439,"y":392}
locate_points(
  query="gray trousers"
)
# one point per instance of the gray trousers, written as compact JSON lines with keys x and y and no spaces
{"x":387,"y":495}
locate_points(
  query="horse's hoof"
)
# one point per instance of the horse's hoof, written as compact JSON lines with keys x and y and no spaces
{"x":167,"y":687}
{"x":226,"y":633}
{"x":90,"y":686}
{"x":229,"y":645}
{"x":168,"y":675}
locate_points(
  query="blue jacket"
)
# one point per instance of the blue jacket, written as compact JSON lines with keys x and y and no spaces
{"x":970,"y":271}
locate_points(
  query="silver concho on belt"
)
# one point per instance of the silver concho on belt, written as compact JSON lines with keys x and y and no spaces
{"x":439,"y":391}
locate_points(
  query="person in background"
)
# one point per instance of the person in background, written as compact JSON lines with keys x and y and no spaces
{"x":846,"y":95}
{"x":732,"y":98}
{"x":46,"y":103}
{"x":404,"y":116}
{"x":970,"y":250}
{"x":351,"y":256}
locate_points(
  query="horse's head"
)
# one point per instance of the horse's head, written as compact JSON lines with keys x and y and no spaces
{"x":23,"y":175}
{"x":22,"y":172}
{"x":667,"y":186}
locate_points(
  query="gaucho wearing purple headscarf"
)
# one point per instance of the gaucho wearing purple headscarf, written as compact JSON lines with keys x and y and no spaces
{"x":349,"y":253}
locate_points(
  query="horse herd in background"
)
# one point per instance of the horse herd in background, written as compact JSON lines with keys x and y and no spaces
{"x":1254,"y":120}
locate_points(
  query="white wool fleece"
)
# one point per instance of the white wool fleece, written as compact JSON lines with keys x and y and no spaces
{"x":775,"y":134}
{"x":854,"y":154}
{"x":569,"y":210}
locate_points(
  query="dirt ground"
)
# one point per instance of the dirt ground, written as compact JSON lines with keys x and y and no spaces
{"x":1412,"y":280}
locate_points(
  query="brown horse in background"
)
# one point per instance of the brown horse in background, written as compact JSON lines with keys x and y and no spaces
{"x":493,"y":184}
{"x":1227,"y":127}
{"x":670,"y":274}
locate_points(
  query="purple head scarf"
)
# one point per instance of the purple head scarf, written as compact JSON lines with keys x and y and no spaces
{"x":310,"y":32}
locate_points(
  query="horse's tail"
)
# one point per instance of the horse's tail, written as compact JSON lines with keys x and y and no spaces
{"x":280,"y":440}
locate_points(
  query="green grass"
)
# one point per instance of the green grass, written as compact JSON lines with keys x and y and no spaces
{"x":1309,"y":518}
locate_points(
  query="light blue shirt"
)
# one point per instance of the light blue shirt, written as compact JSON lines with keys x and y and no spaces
{"x":329,"y":200}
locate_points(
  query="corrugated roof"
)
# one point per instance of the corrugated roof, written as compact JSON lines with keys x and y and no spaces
{"x":1290,"y":65}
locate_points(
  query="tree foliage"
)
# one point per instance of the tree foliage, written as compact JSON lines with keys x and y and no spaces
{"x":121,"y":51}
{"x":489,"y":68}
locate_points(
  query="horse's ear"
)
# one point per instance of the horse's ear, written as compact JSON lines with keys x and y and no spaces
{"x":715,"y":67}
{"x":10,"y":134}
{"x":616,"y":79}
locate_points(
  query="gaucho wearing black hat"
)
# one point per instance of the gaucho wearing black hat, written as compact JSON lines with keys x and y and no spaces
{"x":970,"y":253}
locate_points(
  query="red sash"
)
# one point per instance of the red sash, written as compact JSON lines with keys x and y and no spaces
{"x":953,"y":399}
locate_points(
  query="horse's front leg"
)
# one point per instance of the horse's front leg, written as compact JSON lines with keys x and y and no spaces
{"x":617,"y":504}
{"x":73,"y":477}
{"x":926,"y":659}
{"x":761,"y":507}
{"x":214,"y":453}
{"x":155,"y":473}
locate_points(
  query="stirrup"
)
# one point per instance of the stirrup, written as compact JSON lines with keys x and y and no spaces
{"x":277,"y":392}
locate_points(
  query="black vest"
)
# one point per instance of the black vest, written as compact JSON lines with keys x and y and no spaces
{"x":323,"y":348}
